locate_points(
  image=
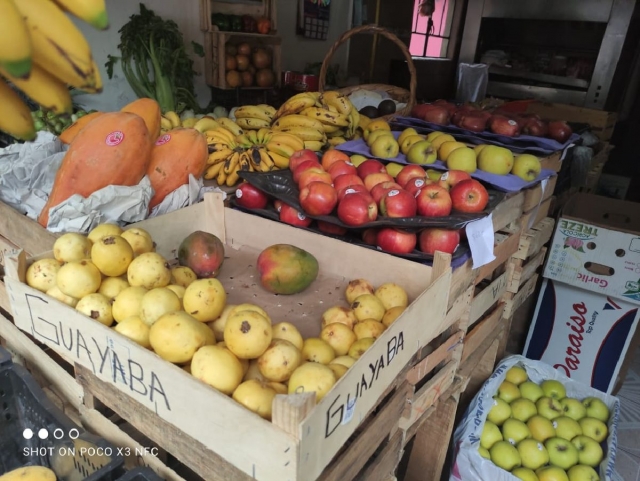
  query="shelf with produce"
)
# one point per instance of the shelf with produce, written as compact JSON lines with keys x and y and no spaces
{"x":258,"y":10}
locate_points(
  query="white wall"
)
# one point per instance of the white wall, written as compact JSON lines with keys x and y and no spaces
{"x":297,"y":51}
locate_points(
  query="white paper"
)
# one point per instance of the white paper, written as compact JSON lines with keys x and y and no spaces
{"x":481,"y":241}
{"x":543,"y":184}
{"x":184,"y":196}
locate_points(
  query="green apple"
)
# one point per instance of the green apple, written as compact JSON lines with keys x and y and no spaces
{"x":422,"y":153}
{"x":516,"y":375}
{"x":478,"y":148}
{"x":393,"y":169}
{"x":553,"y":389}
{"x":596,"y":408}
{"x":567,"y":428}
{"x":407,"y":133}
{"x":594,"y":428}
{"x":357,"y":159}
{"x":495,"y":160}
{"x":541,"y":428}
{"x":515,"y":431}
{"x":385,"y":147}
{"x":549,"y":408}
{"x":508,"y":391}
{"x":582,"y":473}
{"x":484,"y":453}
{"x":525,"y":474}
{"x":522,"y":409}
{"x":434,"y":175}
{"x":408,"y":142}
{"x":499,"y":412}
{"x":573,"y":408}
{"x":531,"y":391}
{"x":532,"y":453}
{"x":589,"y":451}
{"x":561,"y":453}
{"x":490,"y":435}
{"x":527,"y":167}
{"x":463,"y":159}
{"x":552,"y":473}
{"x":505,"y":455}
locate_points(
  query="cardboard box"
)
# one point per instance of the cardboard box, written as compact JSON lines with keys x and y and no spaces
{"x":596,"y":246}
{"x":584,"y":335}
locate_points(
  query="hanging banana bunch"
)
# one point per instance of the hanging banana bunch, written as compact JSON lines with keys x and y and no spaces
{"x":42,"y":53}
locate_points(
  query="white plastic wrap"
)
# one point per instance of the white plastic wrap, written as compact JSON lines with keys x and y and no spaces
{"x":473,"y":80}
{"x":470,"y":466}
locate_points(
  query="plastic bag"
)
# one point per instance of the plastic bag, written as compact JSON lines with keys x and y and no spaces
{"x":472,"y":82}
{"x":470,"y":466}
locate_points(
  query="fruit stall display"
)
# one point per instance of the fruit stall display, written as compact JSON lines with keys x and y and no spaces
{"x":215,"y":330}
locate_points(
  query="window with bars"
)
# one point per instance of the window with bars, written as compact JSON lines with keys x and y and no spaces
{"x":430,"y":35}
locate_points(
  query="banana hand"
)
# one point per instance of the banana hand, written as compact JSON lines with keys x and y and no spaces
{"x":296,"y":143}
{"x":254,"y":112}
{"x":339,"y":102}
{"x":252,"y":123}
{"x":174,"y":118}
{"x":230,"y":125}
{"x":306,"y":133}
{"x":213,"y":170}
{"x":93,"y":12}
{"x":15,"y":42}
{"x":295,"y":120}
{"x":44,"y":88}
{"x":15,"y":116}
{"x":280,"y":161}
{"x":165,"y":123}
{"x":280,"y":148}
{"x":206,"y":123}
{"x":314,"y":145}
{"x":326,"y":116}
{"x":297,"y":104}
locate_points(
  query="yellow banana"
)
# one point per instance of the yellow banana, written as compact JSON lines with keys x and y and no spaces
{"x":354,"y":121}
{"x":296,"y":104}
{"x":174,"y":118}
{"x":280,"y":161}
{"x":295,"y":120}
{"x":263,"y":134}
{"x":15,"y":116}
{"x":232,"y":178}
{"x":15,"y":42}
{"x":206,"y":123}
{"x":296,"y":143}
{"x":232,"y":163}
{"x":220,"y":156}
{"x":268,"y":108}
{"x":254,"y":157}
{"x":58,"y":46}
{"x":230,"y":125}
{"x":280,"y":148}
{"x":339,"y":102}
{"x":39,"y":473}
{"x":336,"y":141}
{"x":326,"y":116}
{"x":244,"y":161}
{"x":363,"y":122}
{"x":337,"y":133}
{"x":220,"y":133}
{"x":244,"y":141}
{"x":266,"y":163}
{"x":221,"y":178}
{"x":253,"y":136}
{"x":43,"y":88}
{"x":305,"y":133}
{"x":93,"y":12}
{"x":189,"y":123}
{"x":252,"y":123}
{"x":254,"y":112}
{"x":218,"y":146}
{"x":165,"y":123}
{"x":213,"y":170}
{"x":314,"y":145}
{"x":329,"y":129}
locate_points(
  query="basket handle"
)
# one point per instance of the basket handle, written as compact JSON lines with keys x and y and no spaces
{"x":372,"y":29}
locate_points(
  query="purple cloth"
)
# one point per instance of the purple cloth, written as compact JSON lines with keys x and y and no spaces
{"x":505,"y":183}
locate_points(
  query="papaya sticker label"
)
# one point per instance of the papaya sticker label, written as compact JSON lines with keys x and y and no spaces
{"x":163,"y":139}
{"x":114,"y":138}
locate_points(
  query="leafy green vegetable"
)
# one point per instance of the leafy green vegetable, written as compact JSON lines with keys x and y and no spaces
{"x":155,"y":61}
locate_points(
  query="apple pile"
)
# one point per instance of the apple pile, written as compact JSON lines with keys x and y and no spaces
{"x":538,"y":433}
{"x":500,"y":122}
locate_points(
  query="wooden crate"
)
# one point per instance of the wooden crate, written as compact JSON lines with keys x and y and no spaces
{"x":18,"y":231}
{"x":532,"y":240}
{"x":214,"y":61}
{"x":602,"y":123}
{"x":260,"y":8}
{"x":520,"y":271}
{"x":151,"y":394}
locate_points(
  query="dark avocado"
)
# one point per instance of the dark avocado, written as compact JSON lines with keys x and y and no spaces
{"x":370,"y":112}
{"x":387,"y":107}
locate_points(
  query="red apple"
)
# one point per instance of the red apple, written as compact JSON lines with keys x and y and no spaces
{"x":300,"y":156}
{"x":414,"y":185}
{"x":370,"y":166}
{"x":396,"y":241}
{"x":379,"y":190}
{"x":251,"y":197}
{"x":291,"y":216}
{"x":473,"y":121}
{"x":501,"y":125}
{"x":559,"y":131}
{"x":346,"y":180}
{"x":433,"y":201}
{"x":453,"y":177}
{"x":451,"y":108}
{"x":443,"y":240}
{"x":398,"y":203}
{"x":304,"y":166}
{"x":437,"y":115}
{"x":312,"y":175}
{"x":352,"y":189}
{"x":329,"y":228}
{"x":371,"y":180}
{"x":369,"y":237}
{"x":535,"y":127}
{"x":341,"y":168}
{"x":278,"y":204}
{"x":332,"y":156}
{"x":469,"y":196}
{"x":419,"y":110}
{"x":409,"y":172}
{"x":357,"y":209}
{"x":318,"y":198}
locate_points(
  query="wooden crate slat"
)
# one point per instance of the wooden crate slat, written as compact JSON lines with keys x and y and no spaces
{"x":383,"y":467}
{"x":513,"y":301}
{"x":506,"y":246}
{"x":534,"y":196}
{"x":507,"y":211}
{"x":519,"y":271}
{"x":482,"y":331}
{"x":24,"y":232}
{"x":489,"y":296}
{"x":532,"y":240}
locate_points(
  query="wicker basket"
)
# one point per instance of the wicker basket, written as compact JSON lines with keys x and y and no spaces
{"x":396,"y":93}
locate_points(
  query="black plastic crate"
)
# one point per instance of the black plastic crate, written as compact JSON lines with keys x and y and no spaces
{"x":5,"y":359}
{"x":140,"y":474}
{"x":34,"y":432}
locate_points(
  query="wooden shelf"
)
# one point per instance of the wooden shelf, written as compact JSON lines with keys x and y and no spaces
{"x":247,"y":34}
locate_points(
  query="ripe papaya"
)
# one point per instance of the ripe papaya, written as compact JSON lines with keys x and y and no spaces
{"x":286,"y":269}
{"x":149,"y":110}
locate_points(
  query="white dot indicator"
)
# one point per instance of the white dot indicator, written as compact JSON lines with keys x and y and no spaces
{"x":27,"y":433}
{"x":74,"y":433}
{"x":58,"y":433}
{"x":43,"y":433}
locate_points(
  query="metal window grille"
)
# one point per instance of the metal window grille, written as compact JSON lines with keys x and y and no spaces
{"x":430,"y":35}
